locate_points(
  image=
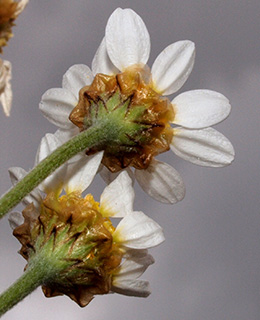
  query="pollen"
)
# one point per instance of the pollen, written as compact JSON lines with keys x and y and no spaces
{"x":129,"y":100}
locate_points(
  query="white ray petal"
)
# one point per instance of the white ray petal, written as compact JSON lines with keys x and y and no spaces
{"x":137,"y":288}
{"x":118,"y":197}
{"x":15,"y":219}
{"x":65,"y":135}
{"x":101,"y":62}
{"x":20,"y":7}
{"x":16,"y":174}
{"x":77,"y":77}
{"x":127,"y":39}
{"x":80,"y":173}
{"x":56,"y":105}
{"x":137,"y":231}
{"x":53,"y":182}
{"x":198,"y":109}
{"x":109,"y":176}
{"x":205,"y":147}
{"x":6,"y":94}
{"x":162,"y":182}
{"x":173,"y":66}
{"x":134,"y":267}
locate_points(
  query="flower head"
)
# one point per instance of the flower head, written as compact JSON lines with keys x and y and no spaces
{"x":74,"y":234}
{"x":120,"y":83}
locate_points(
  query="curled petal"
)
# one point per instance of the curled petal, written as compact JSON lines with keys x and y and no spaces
{"x":198,"y":109}
{"x":77,"y":77}
{"x":118,"y":197}
{"x":56,"y":105}
{"x":173,"y":66}
{"x":20,"y":7}
{"x":162,"y":182}
{"x":127,"y":39}
{"x":136,"y":288}
{"x":6,"y":94}
{"x":205,"y":147}
{"x":101,"y":62}
{"x":137,"y":231}
{"x":80,"y":173}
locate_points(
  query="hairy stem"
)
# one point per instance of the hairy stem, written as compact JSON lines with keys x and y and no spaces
{"x":82,"y":141}
{"x":34,"y":276}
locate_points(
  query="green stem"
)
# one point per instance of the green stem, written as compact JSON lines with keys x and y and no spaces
{"x":33,"y":277}
{"x":82,"y":141}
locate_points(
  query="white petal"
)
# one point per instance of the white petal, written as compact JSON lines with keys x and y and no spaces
{"x":118,"y":197}
{"x":56,"y":105}
{"x":137,"y":231}
{"x":162,"y":182}
{"x":127,"y":39}
{"x":135,"y":267}
{"x":101,"y":62}
{"x":109,"y":176}
{"x":77,"y":77}
{"x":80,"y":174}
{"x":137,"y":288}
{"x":16,"y":174}
{"x":53,"y":182}
{"x":15,"y":219}
{"x":173,"y":66}
{"x":6,"y":94}
{"x":200,"y":108}
{"x":65,"y":135}
{"x":205,"y":147}
{"x":20,"y":7}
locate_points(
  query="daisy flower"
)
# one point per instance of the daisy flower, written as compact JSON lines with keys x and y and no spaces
{"x":98,"y":257}
{"x":120,"y":81}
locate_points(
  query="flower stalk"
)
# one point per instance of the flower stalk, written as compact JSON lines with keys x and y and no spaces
{"x":69,"y":149}
{"x":33,"y":277}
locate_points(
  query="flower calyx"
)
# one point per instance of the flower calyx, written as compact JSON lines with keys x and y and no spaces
{"x":74,"y":243}
{"x":134,"y":117}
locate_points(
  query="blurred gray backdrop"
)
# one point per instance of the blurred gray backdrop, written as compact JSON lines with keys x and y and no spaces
{"x":209,"y":266}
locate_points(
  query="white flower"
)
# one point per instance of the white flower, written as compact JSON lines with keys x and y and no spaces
{"x":127,"y":43}
{"x":134,"y":234}
{"x":6,"y":94}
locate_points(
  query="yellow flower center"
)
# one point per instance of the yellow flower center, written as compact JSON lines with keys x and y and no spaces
{"x":130,"y":98}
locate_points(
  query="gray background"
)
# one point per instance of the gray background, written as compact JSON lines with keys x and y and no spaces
{"x":208,"y":267}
